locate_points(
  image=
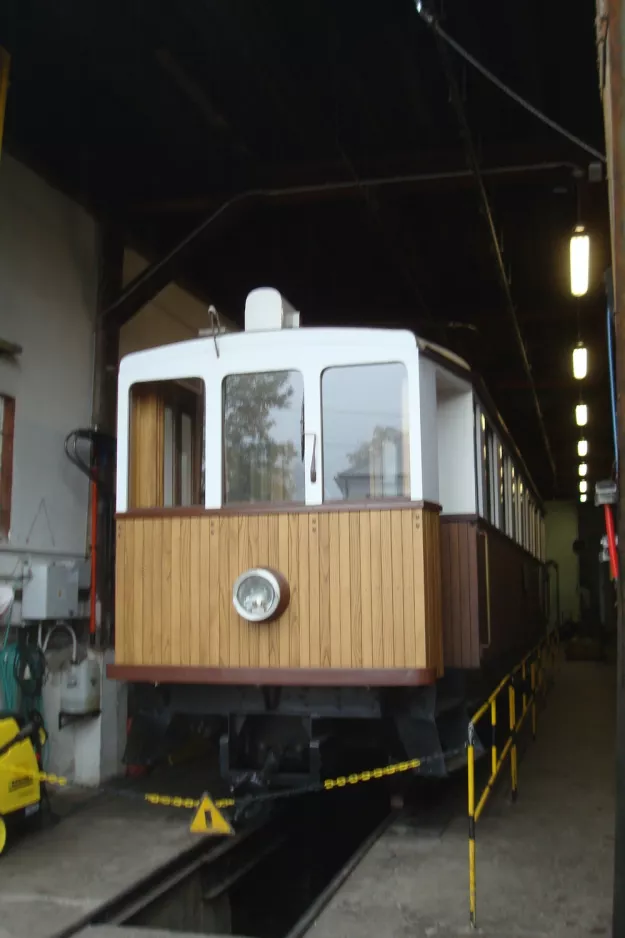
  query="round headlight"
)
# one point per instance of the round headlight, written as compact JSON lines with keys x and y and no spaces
{"x":260,"y":595}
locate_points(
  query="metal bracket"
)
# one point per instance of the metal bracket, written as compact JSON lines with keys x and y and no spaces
{"x":65,"y":719}
{"x":606,"y":493}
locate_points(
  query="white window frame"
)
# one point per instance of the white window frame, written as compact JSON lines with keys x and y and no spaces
{"x":308,"y":351}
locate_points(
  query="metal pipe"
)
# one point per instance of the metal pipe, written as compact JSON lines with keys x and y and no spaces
{"x":513,"y":754}
{"x":471,"y":799}
{"x":190,"y":205}
{"x":609,"y":529}
{"x":493,"y":778}
{"x":493,"y":725}
{"x":480,"y":713}
{"x":155,"y":277}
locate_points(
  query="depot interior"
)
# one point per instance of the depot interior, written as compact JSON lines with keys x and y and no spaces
{"x":159,"y":160}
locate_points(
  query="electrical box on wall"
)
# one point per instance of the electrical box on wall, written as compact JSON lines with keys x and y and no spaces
{"x":50,"y":592}
{"x":80,"y":688}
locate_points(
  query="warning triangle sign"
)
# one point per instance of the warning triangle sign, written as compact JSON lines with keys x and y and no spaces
{"x":209,"y":820}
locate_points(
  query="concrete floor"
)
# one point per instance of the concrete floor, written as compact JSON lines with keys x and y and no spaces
{"x":105,"y":842}
{"x":49,"y":881}
{"x":544,"y":864}
{"x":52,"y":879}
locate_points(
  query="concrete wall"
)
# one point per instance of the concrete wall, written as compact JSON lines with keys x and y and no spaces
{"x":456,"y":451}
{"x":172,"y":316}
{"x":48,"y":282}
{"x":88,"y":750}
{"x":561,"y":531}
{"x":48,"y":292}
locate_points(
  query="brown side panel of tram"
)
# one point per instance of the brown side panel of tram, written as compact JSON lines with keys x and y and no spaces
{"x":492,"y":613}
{"x":365,"y":589}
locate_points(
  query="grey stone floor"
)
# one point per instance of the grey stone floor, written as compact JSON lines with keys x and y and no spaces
{"x":544,"y":864}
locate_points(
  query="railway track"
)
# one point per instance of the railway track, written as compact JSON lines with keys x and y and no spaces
{"x":269,"y":881}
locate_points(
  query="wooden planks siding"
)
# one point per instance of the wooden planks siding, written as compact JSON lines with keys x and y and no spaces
{"x":146,"y":448}
{"x":365,"y":589}
{"x":515,"y":616}
{"x":460,"y":594}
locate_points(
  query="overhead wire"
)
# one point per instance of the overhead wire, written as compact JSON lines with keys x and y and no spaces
{"x":473,"y":163}
{"x":433,"y":23}
{"x":611,"y":364}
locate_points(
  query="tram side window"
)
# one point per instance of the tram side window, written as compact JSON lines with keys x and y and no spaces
{"x":513,"y":502}
{"x":166,"y":459}
{"x":365,"y":432}
{"x":501,"y":489}
{"x":263,"y":429}
{"x":488,"y":471}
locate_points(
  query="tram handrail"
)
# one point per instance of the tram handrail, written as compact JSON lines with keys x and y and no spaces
{"x":535,"y":659}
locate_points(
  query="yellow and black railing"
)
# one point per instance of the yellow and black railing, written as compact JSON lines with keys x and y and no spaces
{"x":541,"y":657}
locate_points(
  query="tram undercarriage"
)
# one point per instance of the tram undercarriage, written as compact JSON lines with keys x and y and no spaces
{"x":295,"y":736}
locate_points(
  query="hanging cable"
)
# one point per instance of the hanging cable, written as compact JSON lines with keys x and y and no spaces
{"x":433,"y":23}
{"x":68,"y":628}
{"x":473,"y":163}
{"x":609,"y":326}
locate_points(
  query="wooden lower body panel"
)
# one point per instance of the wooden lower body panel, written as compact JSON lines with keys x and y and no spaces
{"x":473,"y":634}
{"x":365,"y":592}
{"x":278,"y":677}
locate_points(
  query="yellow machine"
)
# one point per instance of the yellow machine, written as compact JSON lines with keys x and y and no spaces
{"x":20,"y":789}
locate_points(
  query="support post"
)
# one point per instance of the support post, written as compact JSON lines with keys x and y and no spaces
{"x":610,"y":25}
{"x":493,"y":746}
{"x":533,"y":686}
{"x":471,"y":793}
{"x":106,"y":361}
{"x":513,"y":751}
{"x":5,"y":69}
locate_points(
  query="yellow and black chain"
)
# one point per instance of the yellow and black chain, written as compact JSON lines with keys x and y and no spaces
{"x":175,"y":801}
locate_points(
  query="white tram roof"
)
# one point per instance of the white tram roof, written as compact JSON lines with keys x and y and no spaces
{"x":272,"y":324}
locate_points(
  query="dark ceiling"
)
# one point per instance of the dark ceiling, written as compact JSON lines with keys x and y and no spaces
{"x":155,"y":114}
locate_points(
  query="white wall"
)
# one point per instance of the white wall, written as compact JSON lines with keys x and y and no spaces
{"x":48,"y":283}
{"x":561,"y":532}
{"x":88,"y":751}
{"x":172,"y":316}
{"x":456,"y":447}
{"x":48,"y":294}
{"x":429,"y":430}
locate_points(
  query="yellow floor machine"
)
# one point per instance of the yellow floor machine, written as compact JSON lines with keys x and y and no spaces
{"x":21,"y":792}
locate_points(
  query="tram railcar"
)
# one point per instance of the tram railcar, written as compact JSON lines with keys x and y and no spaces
{"x":321,"y":532}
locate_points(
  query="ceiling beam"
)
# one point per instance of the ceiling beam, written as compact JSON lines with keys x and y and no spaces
{"x":410,"y":181}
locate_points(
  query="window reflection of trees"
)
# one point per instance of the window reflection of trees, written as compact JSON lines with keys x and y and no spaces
{"x":261,"y":436}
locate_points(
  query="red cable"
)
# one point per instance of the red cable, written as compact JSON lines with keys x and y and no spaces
{"x":609,"y":527}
